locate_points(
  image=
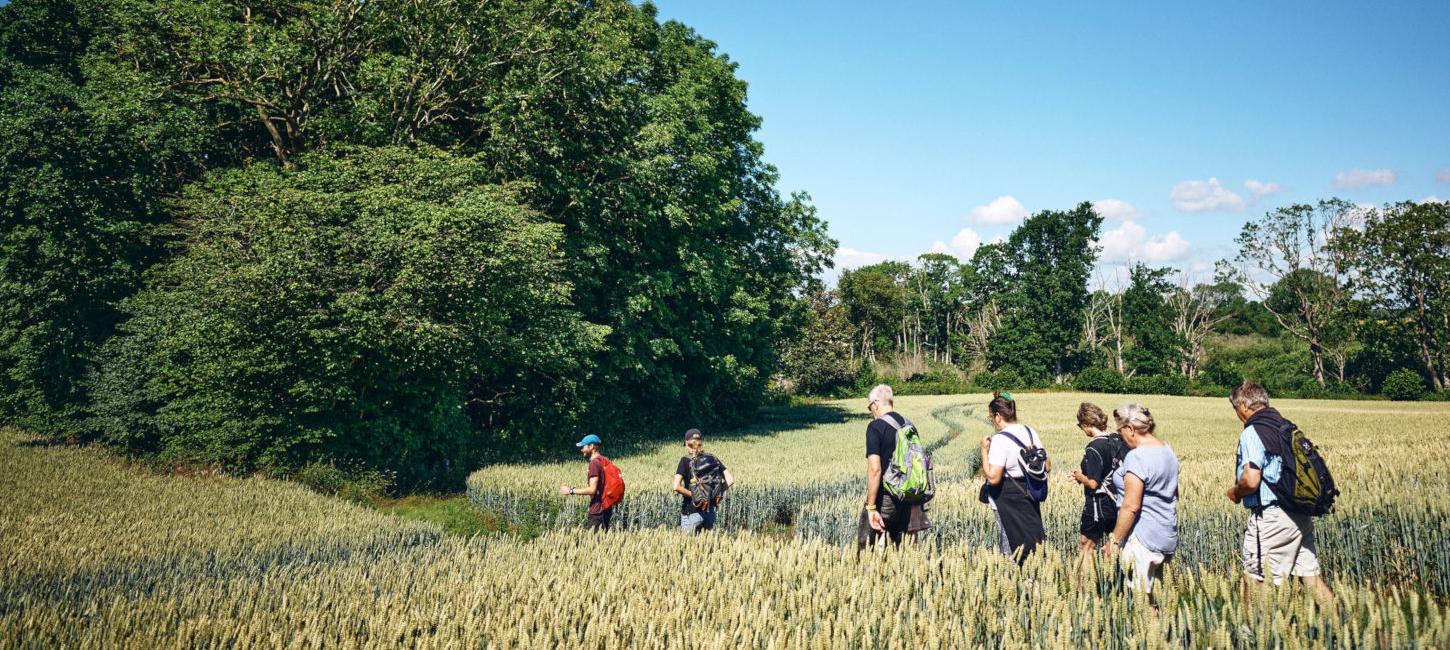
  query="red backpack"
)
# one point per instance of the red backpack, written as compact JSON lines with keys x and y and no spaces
{"x":613,"y":483}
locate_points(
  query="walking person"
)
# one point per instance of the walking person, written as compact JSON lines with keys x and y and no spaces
{"x":701,"y":481}
{"x":1277,"y":542}
{"x":1102,"y":456}
{"x":605,"y":487}
{"x":1146,"y":534}
{"x":1016,"y":467}
{"x":886,"y":517}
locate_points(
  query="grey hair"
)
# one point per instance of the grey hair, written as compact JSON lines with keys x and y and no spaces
{"x":1249,"y":395}
{"x":882,"y":393}
{"x":1136,"y":416}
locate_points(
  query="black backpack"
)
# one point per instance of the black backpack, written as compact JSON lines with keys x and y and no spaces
{"x":1119,"y":452}
{"x":1033,"y":461}
{"x":707,"y":482}
{"x":1305,"y":485}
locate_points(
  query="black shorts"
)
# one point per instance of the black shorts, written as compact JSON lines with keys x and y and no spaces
{"x":599,"y":521}
{"x":1099,"y":516}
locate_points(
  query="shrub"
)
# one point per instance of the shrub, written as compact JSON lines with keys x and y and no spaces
{"x":1208,"y":390}
{"x":1403,"y":386}
{"x":1003,"y":379}
{"x":819,"y":362}
{"x":1099,"y":380}
{"x":1158,"y":385}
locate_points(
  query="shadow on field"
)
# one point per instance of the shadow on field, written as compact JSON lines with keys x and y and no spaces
{"x":772,"y":420}
{"x":75,"y":590}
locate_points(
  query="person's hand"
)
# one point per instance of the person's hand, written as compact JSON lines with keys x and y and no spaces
{"x":1078,"y":476}
{"x":565,"y":490}
{"x":873,"y":517}
{"x":1233,"y":494}
{"x":1111,"y":548}
{"x":986,"y":442}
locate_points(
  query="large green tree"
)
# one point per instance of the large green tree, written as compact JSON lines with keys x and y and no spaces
{"x":1403,"y":254}
{"x":1051,"y":256}
{"x":1290,"y":260}
{"x":388,"y":307}
{"x":91,"y":150}
{"x":1148,"y":319}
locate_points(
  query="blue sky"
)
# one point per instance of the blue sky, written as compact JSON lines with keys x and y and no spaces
{"x":926,"y":124}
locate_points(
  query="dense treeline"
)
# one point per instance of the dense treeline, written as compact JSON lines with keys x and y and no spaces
{"x":415,"y":236}
{"x":1329,"y":299}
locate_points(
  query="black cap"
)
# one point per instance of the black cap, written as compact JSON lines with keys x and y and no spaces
{"x":693,"y":434}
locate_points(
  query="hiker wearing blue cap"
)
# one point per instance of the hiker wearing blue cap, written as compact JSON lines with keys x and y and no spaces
{"x":606,"y":484}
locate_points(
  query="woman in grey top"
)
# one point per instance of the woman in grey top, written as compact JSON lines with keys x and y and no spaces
{"x":1146,"y":535}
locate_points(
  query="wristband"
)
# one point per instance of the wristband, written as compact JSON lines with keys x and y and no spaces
{"x":870,"y":507}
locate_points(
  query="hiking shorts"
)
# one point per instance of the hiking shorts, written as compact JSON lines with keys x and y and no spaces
{"x":599,"y":521}
{"x":697,"y":521}
{"x":1280,"y":543}
{"x":900,"y":519}
{"x":1142,"y":566}
{"x":1099,"y":516}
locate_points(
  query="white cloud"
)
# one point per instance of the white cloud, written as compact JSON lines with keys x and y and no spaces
{"x":1130,"y":243}
{"x":1116,"y":210}
{"x":1357,"y":178}
{"x":1205,"y":196}
{"x":1434,"y":199}
{"x":1259,"y":189}
{"x":1002,"y":210}
{"x":1443,"y":176}
{"x":850,"y":258}
{"x":964,"y":244}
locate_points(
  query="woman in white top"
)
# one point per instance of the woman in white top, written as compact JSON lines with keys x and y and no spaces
{"x":1007,"y":491}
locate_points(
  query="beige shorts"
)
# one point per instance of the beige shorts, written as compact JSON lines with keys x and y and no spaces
{"x":1281,"y":544}
{"x":1142,"y":566}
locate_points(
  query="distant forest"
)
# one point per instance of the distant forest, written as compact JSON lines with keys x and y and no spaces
{"x":1325,"y":300}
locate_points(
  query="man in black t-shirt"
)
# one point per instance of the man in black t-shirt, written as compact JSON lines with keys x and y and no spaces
{"x":693,"y":517}
{"x":883,"y":516}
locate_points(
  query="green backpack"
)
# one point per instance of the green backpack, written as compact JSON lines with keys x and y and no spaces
{"x":908,"y":476}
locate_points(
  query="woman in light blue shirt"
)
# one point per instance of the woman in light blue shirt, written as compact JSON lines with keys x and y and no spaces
{"x":1146,"y":535}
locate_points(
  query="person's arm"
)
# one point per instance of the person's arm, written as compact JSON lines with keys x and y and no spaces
{"x":1127,"y":510}
{"x":593,"y":485}
{"x":729,"y":479}
{"x":873,"y":490}
{"x":1247,"y":484}
{"x":993,"y":473}
{"x":1251,"y":473}
{"x":1083,"y":479}
{"x":1091,"y":464}
{"x":679,"y":486}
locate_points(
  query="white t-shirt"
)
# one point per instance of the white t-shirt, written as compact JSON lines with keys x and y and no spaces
{"x":1006,"y":454}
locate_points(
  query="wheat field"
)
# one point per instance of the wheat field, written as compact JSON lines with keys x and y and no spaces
{"x":97,"y":554}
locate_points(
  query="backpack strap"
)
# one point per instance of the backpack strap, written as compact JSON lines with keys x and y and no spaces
{"x":1107,"y":471}
{"x":886,"y":417}
{"x":1030,"y":435}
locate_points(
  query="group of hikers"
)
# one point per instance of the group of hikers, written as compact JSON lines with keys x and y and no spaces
{"x":1128,"y":474}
